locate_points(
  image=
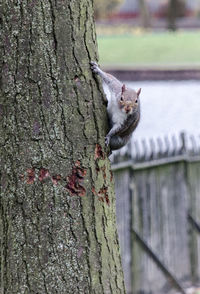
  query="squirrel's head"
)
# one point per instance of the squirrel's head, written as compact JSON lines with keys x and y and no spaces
{"x":129,"y":100}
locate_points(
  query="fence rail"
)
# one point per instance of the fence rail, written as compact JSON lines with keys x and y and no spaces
{"x":161,"y":148}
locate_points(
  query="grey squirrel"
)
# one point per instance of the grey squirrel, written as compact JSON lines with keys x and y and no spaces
{"x":123,"y":109}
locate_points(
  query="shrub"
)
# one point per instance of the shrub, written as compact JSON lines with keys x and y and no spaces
{"x":105,"y":8}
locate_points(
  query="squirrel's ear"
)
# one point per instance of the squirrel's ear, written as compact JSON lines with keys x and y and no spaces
{"x":138,"y":92}
{"x":123,"y":88}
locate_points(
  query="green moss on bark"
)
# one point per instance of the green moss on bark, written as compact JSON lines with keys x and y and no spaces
{"x":57,"y":221}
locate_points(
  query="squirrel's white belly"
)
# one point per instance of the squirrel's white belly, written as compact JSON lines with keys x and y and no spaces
{"x":116,"y":116}
{"x":107,"y":91}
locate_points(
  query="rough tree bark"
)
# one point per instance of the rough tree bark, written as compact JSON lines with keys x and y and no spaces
{"x":57,"y":209}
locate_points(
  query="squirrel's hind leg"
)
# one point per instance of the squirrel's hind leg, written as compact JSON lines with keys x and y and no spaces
{"x":116,"y":142}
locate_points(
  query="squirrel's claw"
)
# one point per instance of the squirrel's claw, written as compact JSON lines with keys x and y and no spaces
{"x":94,"y":66}
{"x":107,"y":140}
{"x":93,"y":63}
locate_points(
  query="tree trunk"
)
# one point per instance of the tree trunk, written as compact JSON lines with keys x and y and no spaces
{"x":57,"y":220}
{"x":176,"y":8}
{"x":172,"y":14}
{"x":145,"y":15}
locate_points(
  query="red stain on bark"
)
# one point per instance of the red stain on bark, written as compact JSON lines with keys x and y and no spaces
{"x":31,"y":175}
{"x":74,"y":185}
{"x":104,"y":171}
{"x":98,"y":153}
{"x":111,"y":175}
{"x":107,"y":200}
{"x":102,"y":194}
{"x":56,"y":179}
{"x":43,"y":174}
{"x":104,"y":191}
{"x":93,"y":191}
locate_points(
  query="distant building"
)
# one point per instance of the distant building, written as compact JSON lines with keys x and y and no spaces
{"x":130,"y":8}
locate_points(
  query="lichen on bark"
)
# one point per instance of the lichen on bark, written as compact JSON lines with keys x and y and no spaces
{"x":57,"y":207}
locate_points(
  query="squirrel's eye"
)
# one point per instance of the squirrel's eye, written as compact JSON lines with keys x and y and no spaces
{"x":136,"y":101}
{"x":121,"y":99}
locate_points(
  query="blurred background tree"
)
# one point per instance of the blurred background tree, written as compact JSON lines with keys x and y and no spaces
{"x":104,"y":8}
{"x":144,"y":13}
{"x":176,"y":9}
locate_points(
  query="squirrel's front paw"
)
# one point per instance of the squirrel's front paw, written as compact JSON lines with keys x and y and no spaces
{"x":94,"y":66}
{"x":107,"y":140}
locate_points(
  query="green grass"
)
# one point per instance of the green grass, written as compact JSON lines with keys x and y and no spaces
{"x":163,"y":49}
